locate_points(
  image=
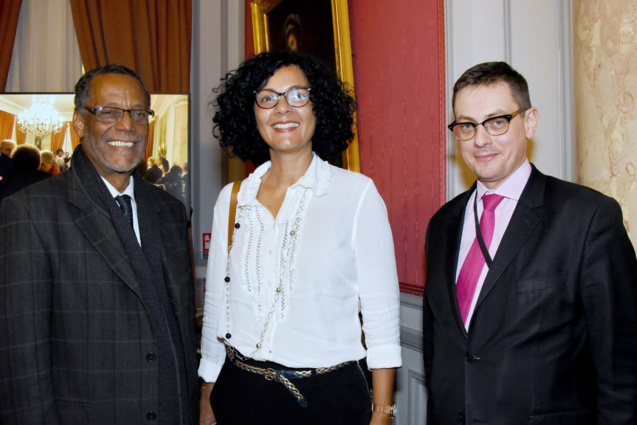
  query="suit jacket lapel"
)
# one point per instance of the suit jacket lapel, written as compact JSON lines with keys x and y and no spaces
{"x":454,"y":237}
{"x":98,"y":228}
{"x":525,"y":217}
{"x":148,"y":208}
{"x":151,"y":219}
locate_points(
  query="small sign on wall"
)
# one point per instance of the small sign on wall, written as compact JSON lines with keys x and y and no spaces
{"x":205,"y":245}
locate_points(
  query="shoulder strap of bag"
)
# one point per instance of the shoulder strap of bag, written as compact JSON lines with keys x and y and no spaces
{"x":233,"y":210}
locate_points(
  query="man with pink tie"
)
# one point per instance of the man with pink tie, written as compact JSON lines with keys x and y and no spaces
{"x":530,"y":309}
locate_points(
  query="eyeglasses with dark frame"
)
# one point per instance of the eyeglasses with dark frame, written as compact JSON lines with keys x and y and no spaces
{"x":113,"y":114}
{"x":495,"y":126}
{"x":296,"y":96}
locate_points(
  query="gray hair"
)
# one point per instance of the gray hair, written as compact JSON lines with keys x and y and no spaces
{"x":83,"y":86}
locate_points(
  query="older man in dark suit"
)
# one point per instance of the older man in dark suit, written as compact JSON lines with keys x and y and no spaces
{"x":98,"y":321}
{"x":530,"y":312}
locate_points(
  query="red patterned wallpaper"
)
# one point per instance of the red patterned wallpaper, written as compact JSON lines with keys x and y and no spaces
{"x":399,"y":77}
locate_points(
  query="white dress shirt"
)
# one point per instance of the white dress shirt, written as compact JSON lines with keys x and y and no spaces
{"x":511,"y":189}
{"x":339,"y":261}
{"x":130,"y":191}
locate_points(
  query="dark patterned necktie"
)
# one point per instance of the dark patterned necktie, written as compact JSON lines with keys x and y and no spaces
{"x":124,"y":202}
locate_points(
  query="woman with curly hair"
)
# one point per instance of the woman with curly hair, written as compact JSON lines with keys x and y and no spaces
{"x":310,"y":250}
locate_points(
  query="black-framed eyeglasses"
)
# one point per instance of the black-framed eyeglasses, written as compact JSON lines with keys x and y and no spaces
{"x":113,"y":114}
{"x":268,"y":99}
{"x":495,"y":126}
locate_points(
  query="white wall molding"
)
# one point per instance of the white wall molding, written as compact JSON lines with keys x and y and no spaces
{"x":506,"y":25}
{"x":417,"y":405}
{"x":217,"y":47}
{"x":567,"y":93}
{"x":411,"y":393}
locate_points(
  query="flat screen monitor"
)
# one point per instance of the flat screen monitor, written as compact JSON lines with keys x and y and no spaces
{"x":168,"y":137}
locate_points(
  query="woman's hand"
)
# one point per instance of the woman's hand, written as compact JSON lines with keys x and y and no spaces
{"x":206,"y":415}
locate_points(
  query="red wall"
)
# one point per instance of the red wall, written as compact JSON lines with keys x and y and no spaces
{"x":399,"y":78}
{"x":399,"y":70}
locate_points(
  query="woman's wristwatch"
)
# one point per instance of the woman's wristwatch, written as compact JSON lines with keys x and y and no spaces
{"x":390,"y":410}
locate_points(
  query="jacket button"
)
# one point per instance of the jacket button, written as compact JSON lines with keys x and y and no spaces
{"x":151,"y":416}
{"x":151,"y":357}
{"x":461,"y":417}
{"x":470,"y":357}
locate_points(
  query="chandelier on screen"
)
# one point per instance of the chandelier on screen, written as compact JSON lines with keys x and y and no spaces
{"x":42,"y":118}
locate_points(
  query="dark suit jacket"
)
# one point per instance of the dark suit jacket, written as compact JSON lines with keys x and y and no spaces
{"x":553,"y":339}
{"x":76,"y":341}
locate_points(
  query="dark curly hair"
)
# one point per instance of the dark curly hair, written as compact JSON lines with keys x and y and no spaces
{"x":235,"y":121}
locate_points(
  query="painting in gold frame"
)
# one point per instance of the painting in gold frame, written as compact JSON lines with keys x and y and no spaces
{"x":324,"y":25}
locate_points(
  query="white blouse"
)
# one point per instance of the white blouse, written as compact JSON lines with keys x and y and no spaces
{"x":298,"y":281}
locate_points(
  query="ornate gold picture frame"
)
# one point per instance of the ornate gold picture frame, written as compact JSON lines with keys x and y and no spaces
{"x":265,"y":19}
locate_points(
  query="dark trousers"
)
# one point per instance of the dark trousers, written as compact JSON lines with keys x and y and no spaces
{"x":340,"y":397}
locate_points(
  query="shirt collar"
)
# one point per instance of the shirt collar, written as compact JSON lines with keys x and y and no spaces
{"x":130,"y":189}
{"x":316,"y":178}
{"x":513,"y":186}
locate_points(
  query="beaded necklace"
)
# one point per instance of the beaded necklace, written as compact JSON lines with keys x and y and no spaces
{"x":287,"y":260}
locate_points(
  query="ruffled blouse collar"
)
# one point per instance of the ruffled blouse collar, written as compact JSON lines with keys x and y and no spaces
{"x":316,"y":178}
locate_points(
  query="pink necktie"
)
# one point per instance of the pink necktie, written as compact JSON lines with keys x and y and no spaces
{"x":474,"y":263}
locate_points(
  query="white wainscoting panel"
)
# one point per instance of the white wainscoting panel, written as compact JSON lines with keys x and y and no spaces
{"x":411,"y":394}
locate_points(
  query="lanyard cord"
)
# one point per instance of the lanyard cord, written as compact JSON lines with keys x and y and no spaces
{"x":483,"y":247}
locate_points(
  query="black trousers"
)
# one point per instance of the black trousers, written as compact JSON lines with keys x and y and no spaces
{"x":340,"y":397}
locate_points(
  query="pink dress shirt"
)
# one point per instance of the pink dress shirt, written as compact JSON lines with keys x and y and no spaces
{"x":511,"y":189}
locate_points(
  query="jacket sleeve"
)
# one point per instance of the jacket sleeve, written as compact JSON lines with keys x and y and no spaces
{"x":427,"y":334}
{"x":609,"y":297}
{"x":26,"y":388}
